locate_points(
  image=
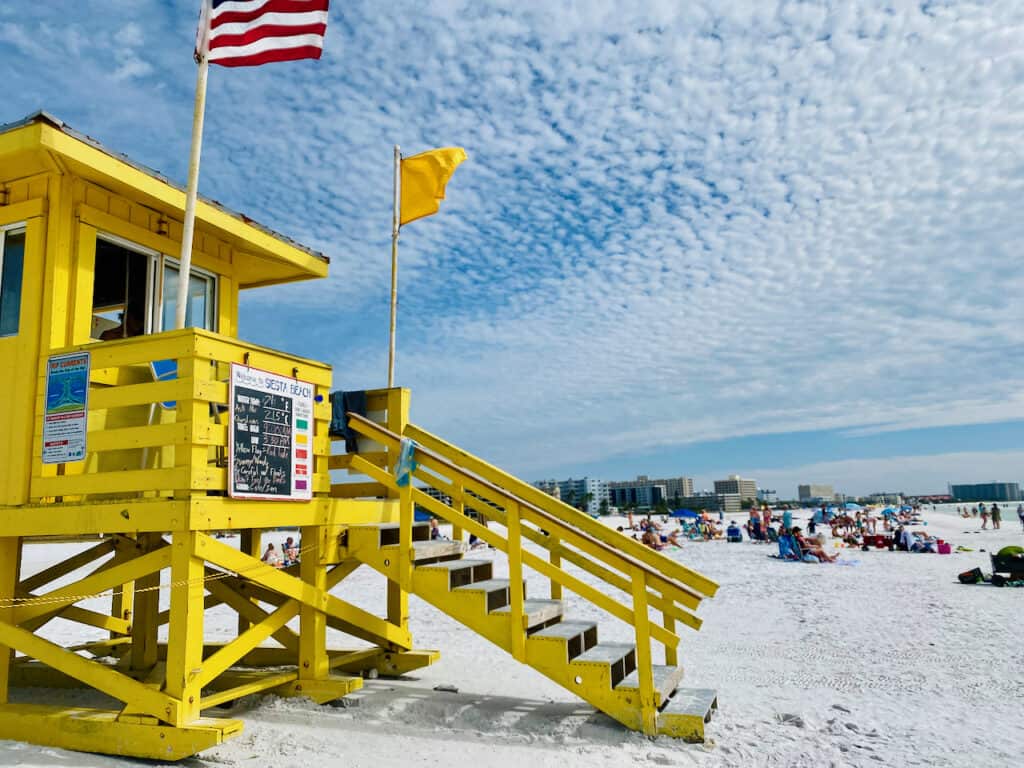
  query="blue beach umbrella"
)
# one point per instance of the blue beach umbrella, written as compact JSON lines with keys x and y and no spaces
{"x":685,"y":513}
{"x":852,"y":505}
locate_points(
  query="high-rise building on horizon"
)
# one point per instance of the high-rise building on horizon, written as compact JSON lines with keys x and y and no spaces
{"x":586,"y":491}
{"x":815,"y":492}
{"x":647,"y":493}
{"x":987,"y":492}
{"x":746,"y":488}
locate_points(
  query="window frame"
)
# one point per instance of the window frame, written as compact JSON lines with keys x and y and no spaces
{"x":17,"y":227}
{"x":156,"y":262}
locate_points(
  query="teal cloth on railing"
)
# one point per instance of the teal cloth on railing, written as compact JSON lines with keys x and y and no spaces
{"x":406,"y":462}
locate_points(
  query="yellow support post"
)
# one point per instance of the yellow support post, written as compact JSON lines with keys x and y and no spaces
{"x":642,"y":625}
{"x":185,"y":633}
{"x":398,"y":593}
{"x":515,"y":576}
{"x":145,"y":625}
{"x":459,"y":506}
{"x":555,"y":559}
{"x":10,"y":551}
{"x":671,"y":651}
{"x":313,"y":662}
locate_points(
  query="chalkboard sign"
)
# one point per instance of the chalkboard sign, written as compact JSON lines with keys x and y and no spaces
{"x":271,"y":436}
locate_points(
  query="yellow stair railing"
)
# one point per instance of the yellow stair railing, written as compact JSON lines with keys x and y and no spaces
{"x":648,"y":580}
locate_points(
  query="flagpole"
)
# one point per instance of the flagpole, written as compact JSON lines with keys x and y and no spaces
{"x":188,"y":228}
{"x":395,"y":226}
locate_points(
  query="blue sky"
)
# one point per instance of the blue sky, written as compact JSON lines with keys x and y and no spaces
{"x":775,"y":238}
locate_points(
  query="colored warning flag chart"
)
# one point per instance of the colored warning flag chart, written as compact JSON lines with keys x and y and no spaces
{"x":67,"y":407}
{"x":271,"y":429}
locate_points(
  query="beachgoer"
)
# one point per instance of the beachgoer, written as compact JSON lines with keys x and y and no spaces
{"x":290,"y":551}
{"x":1020,"y":514}
{"x":650,"y":538}
{"x":974,"y":510}
{"x":787,"y":521}
{"x":809,"y":547}
{"x":997,"y":517}
{"x":984,"y":516}
{"x":271,"y":557}
{"x":435,"y":530}
{"x":670,"y":538}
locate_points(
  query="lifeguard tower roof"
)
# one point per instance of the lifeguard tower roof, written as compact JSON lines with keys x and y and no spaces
{"x":42,"y":143}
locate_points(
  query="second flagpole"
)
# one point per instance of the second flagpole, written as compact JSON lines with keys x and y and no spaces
{"x":395,"y":227}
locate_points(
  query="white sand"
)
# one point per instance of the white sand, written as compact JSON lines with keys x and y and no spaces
{"x":887,"y":662}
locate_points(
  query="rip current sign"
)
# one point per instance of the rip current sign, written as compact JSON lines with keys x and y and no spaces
{"x":271,"y":436}
{"x":67,"y":408}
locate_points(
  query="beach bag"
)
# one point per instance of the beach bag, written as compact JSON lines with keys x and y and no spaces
{"x":972,"y":576}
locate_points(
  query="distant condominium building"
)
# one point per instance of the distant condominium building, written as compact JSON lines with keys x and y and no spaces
{"x":647,"y":493}
{"x":585,"y":492}
{"x":815,"y":492}
{"x":987,"y":492}
{"x":767,"y":495}
{"x":886,"y":497}
{"x":747,"y":489}
{"x":729,"y":503}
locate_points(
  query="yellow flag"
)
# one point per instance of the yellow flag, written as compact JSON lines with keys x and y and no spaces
{"x":424,"y":177}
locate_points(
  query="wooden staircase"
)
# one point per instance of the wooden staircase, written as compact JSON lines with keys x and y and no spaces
{"x":617,"y":678}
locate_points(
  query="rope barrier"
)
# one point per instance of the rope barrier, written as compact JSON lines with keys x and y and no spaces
{"x":12,"y":602}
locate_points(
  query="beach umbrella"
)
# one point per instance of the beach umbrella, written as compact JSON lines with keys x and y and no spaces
{"x":852,"y":505}
{"x":685,"y":513}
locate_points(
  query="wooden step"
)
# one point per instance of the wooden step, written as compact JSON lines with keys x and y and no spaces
{"x":497,"y":591}
{"x":620,"y":657}
{"x":431,"y":550}
{"x":389,"y":532}
{"x":686,"y":713}
{"x":536,"y":612}
{"x":578,"y":636}
{"x":666,"y":680}
{"x":462,"y":572}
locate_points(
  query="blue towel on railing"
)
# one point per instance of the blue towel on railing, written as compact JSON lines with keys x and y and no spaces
{"x":406,"y":462}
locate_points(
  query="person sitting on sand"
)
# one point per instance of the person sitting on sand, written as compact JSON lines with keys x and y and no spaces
{"x":809,"y":547}
{"x":651,"y":539}
{"x":670,"y":538}
{"x":271,"y":557}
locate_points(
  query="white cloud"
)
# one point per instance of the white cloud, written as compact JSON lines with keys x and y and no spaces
{"x":679,"y":221}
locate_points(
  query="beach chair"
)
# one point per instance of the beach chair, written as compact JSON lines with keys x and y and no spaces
{"x":789,"y":549}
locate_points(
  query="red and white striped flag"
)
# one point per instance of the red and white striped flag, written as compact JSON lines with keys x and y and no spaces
{"x":246,"y":33}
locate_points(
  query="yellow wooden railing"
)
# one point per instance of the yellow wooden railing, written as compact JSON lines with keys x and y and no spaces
{"x":152,"y":438}
{"x":648,"y":579}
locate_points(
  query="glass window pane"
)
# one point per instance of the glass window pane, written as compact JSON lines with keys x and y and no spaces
{"x":10,"y":281}
{"x":198,"y":310}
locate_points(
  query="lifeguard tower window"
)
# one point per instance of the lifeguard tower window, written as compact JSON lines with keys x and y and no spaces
{"x":12,"y":263}
{"x":135,"y":292}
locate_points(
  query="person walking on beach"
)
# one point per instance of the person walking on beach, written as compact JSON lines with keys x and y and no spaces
{"x":984,"y":516}
{"x":997,"y":517}
{"x":1020,"y":514}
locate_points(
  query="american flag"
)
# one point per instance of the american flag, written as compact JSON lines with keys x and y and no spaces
{"x":246,"y":33}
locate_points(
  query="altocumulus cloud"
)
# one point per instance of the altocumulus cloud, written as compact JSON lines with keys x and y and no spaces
{"x":679,"y":221}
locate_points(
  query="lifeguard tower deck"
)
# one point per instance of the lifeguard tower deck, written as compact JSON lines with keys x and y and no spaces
{"x":142,"y":443}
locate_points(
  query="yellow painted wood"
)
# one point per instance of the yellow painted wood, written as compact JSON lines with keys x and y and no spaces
{"x":93,"y":674}
{"x":185,"y":631}
{"x":642,"y":628}
{"x":241,"y":645}
{"x":9,"y":566}
{"x":249,"y":612}
{"x":255,"y":682}
{"x":145,"y":623}
{"x":515,"y":576}
{"x":313,"y":662}
{"x":18,"y":212}
{"x":549,"y":504}
{"x":93,"y":584}
{"x":95,"y":730}
{"x":289,"y":586}
{"x":63,"y":568}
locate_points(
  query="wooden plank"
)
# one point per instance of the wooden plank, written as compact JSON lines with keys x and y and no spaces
{"x":93,"y":674}
{"x":110,"y":482}
{"x":102,"y":398}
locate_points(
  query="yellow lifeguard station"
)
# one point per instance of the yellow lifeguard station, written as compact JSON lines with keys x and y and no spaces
{"x":139,"y":444}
